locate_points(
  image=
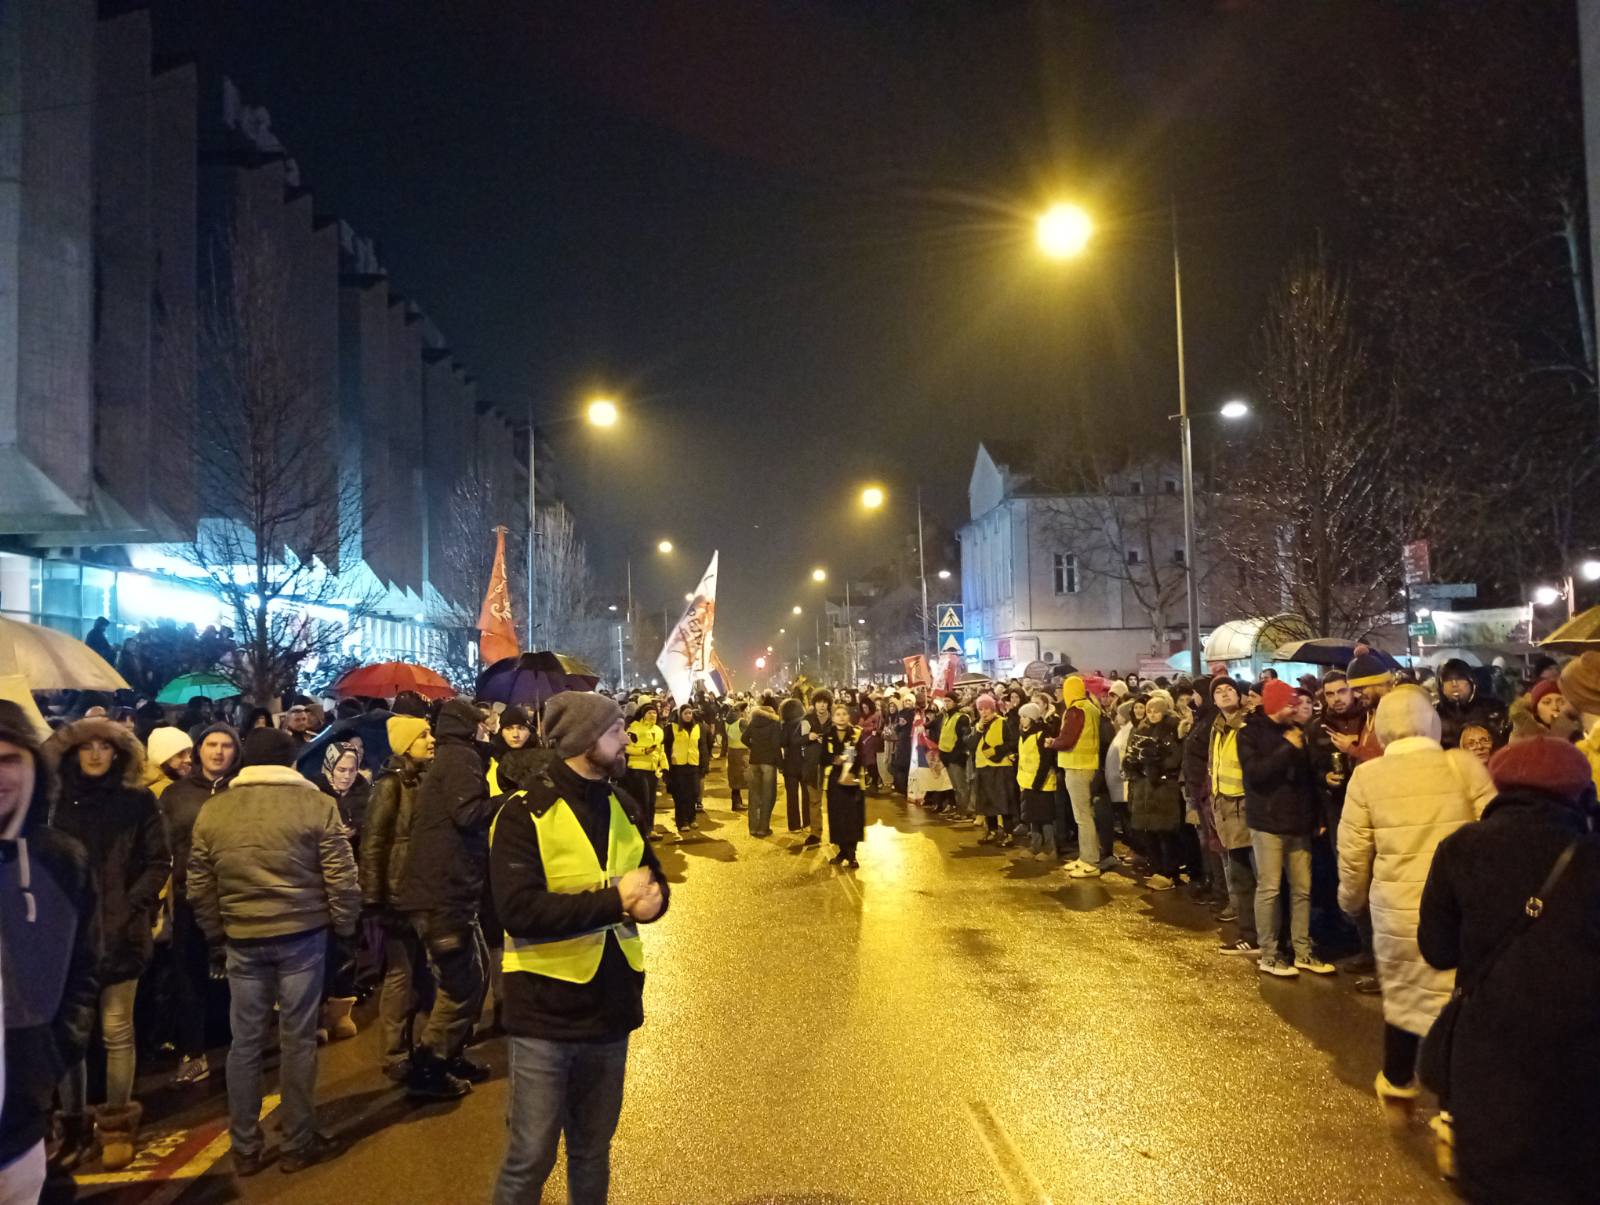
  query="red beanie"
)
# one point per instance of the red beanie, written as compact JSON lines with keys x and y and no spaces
{"x":1275,"y":696}
{"x":1542,"y":763}
{"x":1545,"y":686}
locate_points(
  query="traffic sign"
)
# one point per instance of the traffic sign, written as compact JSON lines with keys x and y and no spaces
{"x":1423,"y":630}
{"x":950,"y":617}
{"x":951,"y":643}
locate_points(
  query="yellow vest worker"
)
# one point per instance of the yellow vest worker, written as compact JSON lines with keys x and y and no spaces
{"x":1029,"y":760}
{"x":1084,"y":751}
{"x":574,"y":878}
{"x":647,"y":747}
{"x":991,"y":745}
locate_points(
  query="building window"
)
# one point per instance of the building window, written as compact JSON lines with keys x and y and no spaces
{"x":1177,"y":556}
{"x":1171,"y":485}
{"x":1135,"y":486}
{"x":1133,"y":556}
{"x":1066,"y":573}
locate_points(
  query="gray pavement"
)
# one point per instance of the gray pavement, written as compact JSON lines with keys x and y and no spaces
{"x":949,"y":1023}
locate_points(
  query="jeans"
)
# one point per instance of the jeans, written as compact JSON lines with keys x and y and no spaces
{"x":763,"y":798}
{"x":405,"y":979}
{"x":814,"y":807}
{"x":191,"y":980}
{"x":957,"y":769}
{"x":286,"y":971}
{"x":1276,"y":854}
{"x":458,"y":960}
{"x":1080,"y":785}
{"x":1043,"y":839}
{"x":1239,"y":873}
{"x":561,"y":1087}
{"x":116,"y":1031}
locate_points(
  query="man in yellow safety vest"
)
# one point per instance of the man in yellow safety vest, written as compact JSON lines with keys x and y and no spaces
{"x":574,"y":877}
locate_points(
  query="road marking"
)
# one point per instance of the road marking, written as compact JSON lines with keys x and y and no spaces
{"x":851,"y":888}
{"x":1022,"y":1186}
{"x":172,"y":1162}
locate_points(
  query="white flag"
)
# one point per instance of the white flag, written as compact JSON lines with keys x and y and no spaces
{"x":686,"y":657}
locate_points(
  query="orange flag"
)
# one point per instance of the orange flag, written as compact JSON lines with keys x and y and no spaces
{"x":499,"y":634}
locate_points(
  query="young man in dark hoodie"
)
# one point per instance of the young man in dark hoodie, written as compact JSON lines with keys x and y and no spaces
{"x":574,"y":960}
{"x":49,"y":955}
{"x":441,"y":894}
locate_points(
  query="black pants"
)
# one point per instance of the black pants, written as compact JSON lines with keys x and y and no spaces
{"x":191,"y":980}
{"x":794,"y":796}
{"x":642,"y":786}
{"x":1399,"y":1055}
{"x":683,"y":782}
{"x":1162,"y":850}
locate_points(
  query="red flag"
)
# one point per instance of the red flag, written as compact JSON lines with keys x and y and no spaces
{"x":499,"y":634}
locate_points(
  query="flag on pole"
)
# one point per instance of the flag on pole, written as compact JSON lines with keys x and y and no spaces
{"x":498,"y":635}
{"x":686,"y":658}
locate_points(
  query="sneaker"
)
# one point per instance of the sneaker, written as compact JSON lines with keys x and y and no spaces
{"x":1158,"y":882}
{"x":464,"y":1068}
{"x":813,"y":839}
{"x":248,"y":1165}
{"x":1082,"y":870}
{"x":1315,"y":966}
{"x":429,"y":1080}
{"x":986,"y":839}
{"x":319,"y":1148}
{"x":1248,"y":949}
{"x":191,"y":1070}
{"x":1228,"y":914}
{"x":1368,"y":985}
{"x":836,"y":860}
{"x":1283,"y":970}
{"x":852,"y":864}
{"x":1111,"y":862}
{"x":1359,"y":964}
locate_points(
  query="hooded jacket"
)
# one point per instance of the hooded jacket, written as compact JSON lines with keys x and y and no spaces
{"x":1278,"y":797}
{"x":181,"y":803}
{"x":269,"y":858}
{"x":50,"y":950}
{"x":763,"y":736}
{"x":450,"y":832}
{"x":1486,"y":711}
{"x":117,"y":821}
{"x":386,"y":842}
{"x":793,"y":711}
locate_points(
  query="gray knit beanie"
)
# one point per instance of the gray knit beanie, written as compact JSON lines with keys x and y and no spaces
{"x":575,"y":719}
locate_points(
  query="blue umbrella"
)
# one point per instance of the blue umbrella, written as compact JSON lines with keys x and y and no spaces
{"x":531,"y":679}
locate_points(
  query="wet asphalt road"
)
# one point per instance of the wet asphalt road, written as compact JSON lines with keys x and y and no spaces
{"x":949,"y":1023}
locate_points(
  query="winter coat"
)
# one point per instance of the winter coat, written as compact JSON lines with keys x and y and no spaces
{"x":181,"y":803}
{"x":1157,"y":806}
{"x":1526,"y":1053}
{"x":1326,"y":760}
{"x":270,"y":859}
{"x":1396,"y":812}
{"x":352,"y":804}
{"x":811,"y":759}
{"x":1278,"y":797}
{"x":118,"y":822}
{"x":1116,"y":785}
{"x":450,"y":831}
{"x":793,"y":712}
{"x":847,"y":804}
{"x":386,"y":840}
{"x":763,"y":736}
{"x":1482,"y":710}
{"x":50,"y":948}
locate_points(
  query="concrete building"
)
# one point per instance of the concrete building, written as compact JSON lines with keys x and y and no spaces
{"x":122,"y":222}
{"x":1094,"y":580}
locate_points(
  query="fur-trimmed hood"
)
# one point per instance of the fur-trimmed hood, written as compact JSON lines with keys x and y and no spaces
{"x":130,"y":753}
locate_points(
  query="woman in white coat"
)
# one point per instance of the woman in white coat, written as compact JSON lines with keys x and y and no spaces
{"x":1396,"y":811}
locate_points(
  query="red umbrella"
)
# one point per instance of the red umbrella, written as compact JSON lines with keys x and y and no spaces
{"x":389,"y":678}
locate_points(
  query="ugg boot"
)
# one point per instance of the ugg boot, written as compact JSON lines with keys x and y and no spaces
{"x":336,"y":1017}
{"x":1444,"y":1144}
{"x":117,"y":1127}
{"x":1398,"y":1103}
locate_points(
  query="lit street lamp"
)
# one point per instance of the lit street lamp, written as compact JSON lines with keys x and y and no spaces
{"x":602,"y":412}
{"x":944,"y":575}
{"x":872,"y":497}
{"x":1063,"y":231}
{"x":664,"y":546}
{"x":797,"y":609}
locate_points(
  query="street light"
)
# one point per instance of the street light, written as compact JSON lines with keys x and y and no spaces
{"x":944,"y":575}
{"x":1589,"y":571}
{"x":612,"y":607}
{"x":1234,"y":409}
{"x":688,"y":597}
{"x":1063,"y":231}
{"x":797,"y":609}
{"x":602,"y":412}
{"x":664,"y":546}
{"x":1545,"y":595}
{"x":872,"y":497}
{"x":819,"y":575}
{"x":761,"y":663}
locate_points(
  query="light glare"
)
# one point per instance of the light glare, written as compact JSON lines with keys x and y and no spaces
{"x":1063,"y":231}
{"x":603,"y":412}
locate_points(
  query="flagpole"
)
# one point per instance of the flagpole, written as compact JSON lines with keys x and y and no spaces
{"x":533,"y":517}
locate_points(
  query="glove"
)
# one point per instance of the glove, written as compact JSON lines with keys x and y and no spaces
{"x":218,"y":956}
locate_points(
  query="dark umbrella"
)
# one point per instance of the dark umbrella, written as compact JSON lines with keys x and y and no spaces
{"x":373,"y":729}
{"x":532,"y":678}
{"x":1324,"y":650}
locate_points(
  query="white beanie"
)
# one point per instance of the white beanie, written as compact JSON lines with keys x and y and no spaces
{"x":165,"y":743}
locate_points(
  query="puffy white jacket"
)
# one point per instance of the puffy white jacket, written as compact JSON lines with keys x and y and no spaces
{"x":1397,"y":810}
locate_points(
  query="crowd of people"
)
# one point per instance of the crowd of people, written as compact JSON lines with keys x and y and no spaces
{"x":485,"y":870}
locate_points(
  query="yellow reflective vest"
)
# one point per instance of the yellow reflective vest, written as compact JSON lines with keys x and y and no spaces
{"x":646,"y":747}
{"x":1028,"y":758}
{"x":948,"y":733}
{"x":989,"y":745}
{"x":685,"y":745}
{"x":1227,"y":775}
{"x":570,"y":867}
{"x":1085,"y":755}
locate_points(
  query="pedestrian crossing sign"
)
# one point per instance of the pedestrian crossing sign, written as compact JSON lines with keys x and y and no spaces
{"x":950,"y":619}
{"x":951,"y":643}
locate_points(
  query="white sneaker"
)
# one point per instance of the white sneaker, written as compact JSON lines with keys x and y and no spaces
{"x":1082,"y":870}
{"x":192,"y":1070}
{"x":1316,"y":966}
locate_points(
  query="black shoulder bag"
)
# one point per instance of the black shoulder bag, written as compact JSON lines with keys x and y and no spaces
{"x":1434,"y":1062}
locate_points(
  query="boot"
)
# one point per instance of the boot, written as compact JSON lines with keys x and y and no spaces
{"x":77,"y":1142}
{"x":1444,"y":1145}
{"x":336,"y":1019}
{"x":117,"y":1127}
{"x":430,"y":1078}
{"x":1398,"y":1103}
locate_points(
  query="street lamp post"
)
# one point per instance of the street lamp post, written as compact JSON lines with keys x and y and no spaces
{"x":1193,"y":588}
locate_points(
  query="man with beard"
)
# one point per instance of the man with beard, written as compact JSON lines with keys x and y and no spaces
{"x":1331,"y":740}
{"x":574,"y":877}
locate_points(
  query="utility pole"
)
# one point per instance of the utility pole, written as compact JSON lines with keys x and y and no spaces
{"x":922,"y":569}
{"x":533,"y":519}
{"x":1189,"y":566}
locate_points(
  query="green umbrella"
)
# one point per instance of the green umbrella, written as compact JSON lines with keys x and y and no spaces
{"x":187,"y":686}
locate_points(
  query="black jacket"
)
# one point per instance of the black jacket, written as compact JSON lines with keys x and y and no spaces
{"x":50,"y":945}
{"x":1525,"y":1060}
{"x":612,"y":1003}
{"x":386,"y":837}
{"x":763,"y":736}
{"x":902,"y":722}
{"x":181,"y":803}
{"x":1483,"y":710}
{"x":794,"y":741}
{"x":450,"y":831}
{"x":1278,"y":797}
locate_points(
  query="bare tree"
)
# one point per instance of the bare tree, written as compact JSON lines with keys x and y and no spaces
{"x":467,"y":558}
{"x":278,"y":519}
{"x":566,"y":614}
{"x":1321,"y":503}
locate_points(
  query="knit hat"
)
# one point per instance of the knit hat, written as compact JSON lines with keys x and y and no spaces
{"x":986,"y":702}
{"x":1222,"y":680}
{"x":1541,"y":688}
{"x":1275,"y":696}
{"x":403,"y":732}
{"x":1118,"y":687}
{"x":514,"y":717}
{"x":1370,"y":667}
{"x":1031,"y":712}
{"x":16,"y":728}
{"x":1455,"y":668}
{"x":575,"y":719}
{"x":1543,"y":763}
{"x":268,"y":747}
{"x":165,"y":744}
{"x":1580,"y":683}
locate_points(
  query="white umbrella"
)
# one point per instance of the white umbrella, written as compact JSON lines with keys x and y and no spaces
{"x":52,"y":660}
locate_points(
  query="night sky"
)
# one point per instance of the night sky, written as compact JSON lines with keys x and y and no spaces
{"x":795,"y":237}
